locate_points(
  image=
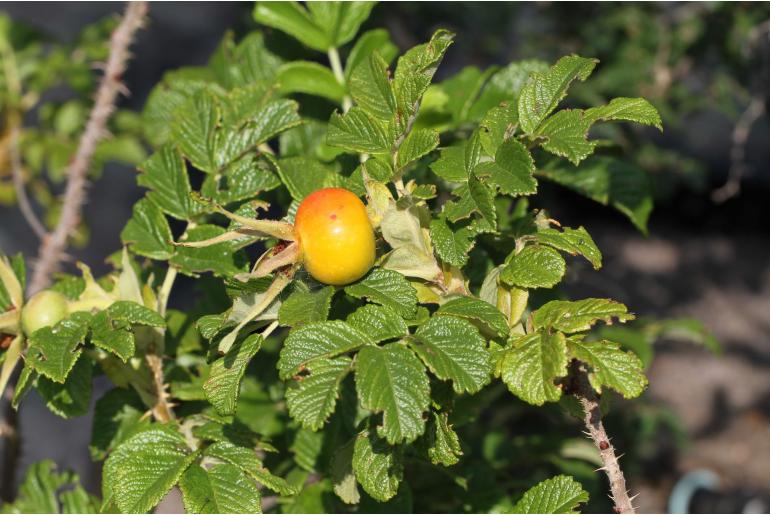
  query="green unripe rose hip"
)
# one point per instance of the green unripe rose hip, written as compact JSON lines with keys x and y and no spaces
{"x":44,"y":309}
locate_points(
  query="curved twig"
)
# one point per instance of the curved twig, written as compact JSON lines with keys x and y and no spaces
{"x":593,"y":421}
{"x":53,"y":246}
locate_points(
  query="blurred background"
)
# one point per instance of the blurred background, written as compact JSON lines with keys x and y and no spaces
{"x":706,"y":256}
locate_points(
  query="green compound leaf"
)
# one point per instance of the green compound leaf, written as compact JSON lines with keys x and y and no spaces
{"x":135,"y":314}
{"x":498,"y":126}
{"x":415,"y":71}
{"x":147,"y":232}
{"x":560,"y":494}
{"x":166,"y":175}
{"x":454,"y":350}
{"x":378,"y":323}
{"x":610,"y":182}
{"x":511,"y":171}
{"x":318,"y":340}
{"x":224,"y":382}
{"x":356,"y":131}
{"x":53,"y":351}
{"x":392,"y":379}
{"x":543,"y":92}
{"x":112,"y":335}
{"x":572,"y":241}
{"x":636,"y":110}
{"x":313,"y":398}
{"x":388,"y":288}
{"x":580,"y":315}
{"x":223,"y":488}
{"x":145,"y":467}
{"x":443,"y":443}
{"x":340,"y":20}
{"x":451,"y":246}
{"x":302,"y":307}
{"x":310,"y":78}
{"x":566,"y":134}
{"x":376,"y":40}
{"x":532,"y":363}
{"x":476,"y":310}
{"x":536,"y":266}
{"x":611,"y":367}
{"x":378,"y":467}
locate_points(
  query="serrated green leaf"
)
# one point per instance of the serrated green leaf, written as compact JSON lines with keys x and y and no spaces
{"x":451,"y":246}
{"x":532,"y":363}
{"x":536,"y":266}
{"x":221,"y":489}
{"x":53,"y":351}
{"x":453,"y":349}
{"x":370,"y":87}
{"x":450,"y":164}
{"x":222,"y":258}
{"x":498,"y":126}
{"x":302,"y":307}
{"x":560,"y":494}
{"x":224,"y":381}
{"x":543,"y":91}
{"x":318,"y":340}
{"x":310,"y":78}
{"x":243,"y":179}
{"x":378,"y":322}
{"x":118,"y":416}
{"x":477,"y":310}
{"x":579,"y":316}
{"x":392,"y":379}
{"x":573,"y":241}
{"x":377,"y":40}
{"x":145,"y":467}
{"x":415,"y":71}
{"x":162,"y":104}
{"x":511,"y":171}
{"x":566,"y":134}
{"x":194,"y":130}
{"x":147,"y":232}
{"x":247,"y":460}
{"x":610,"y":182}
{"x":293,"y":19}
{"x":306,"y":448}
{"x":357,"y":131}
{"x":483,"y":200}
{"x":136,"y":314}
{"x":388,"y":288}
{"x":73,"y":398}
{"x":611,"y":367}
{"x":636,"y":110}
{"x":166,"y":175}
{"x":303,"y":175}
{"x":443,"y":443}
{"x":418,"y":143}
{"x":113,"y":336}
{"x":378,"y":467}
{"x":314,"y":396}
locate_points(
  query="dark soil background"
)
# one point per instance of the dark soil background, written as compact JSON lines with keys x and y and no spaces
{"x":702,"y":260}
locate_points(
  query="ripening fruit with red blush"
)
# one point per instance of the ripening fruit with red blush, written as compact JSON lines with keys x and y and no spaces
{"x":335,"y":236}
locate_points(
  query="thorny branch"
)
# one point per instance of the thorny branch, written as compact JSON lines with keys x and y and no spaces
{"x":593,"y":421}
{"x":53,"y":245}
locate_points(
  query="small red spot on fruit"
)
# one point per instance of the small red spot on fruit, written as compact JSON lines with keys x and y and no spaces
{"x":333,"y":216}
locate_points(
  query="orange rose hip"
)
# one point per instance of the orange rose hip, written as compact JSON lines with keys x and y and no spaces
{"x":335,"y":236}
